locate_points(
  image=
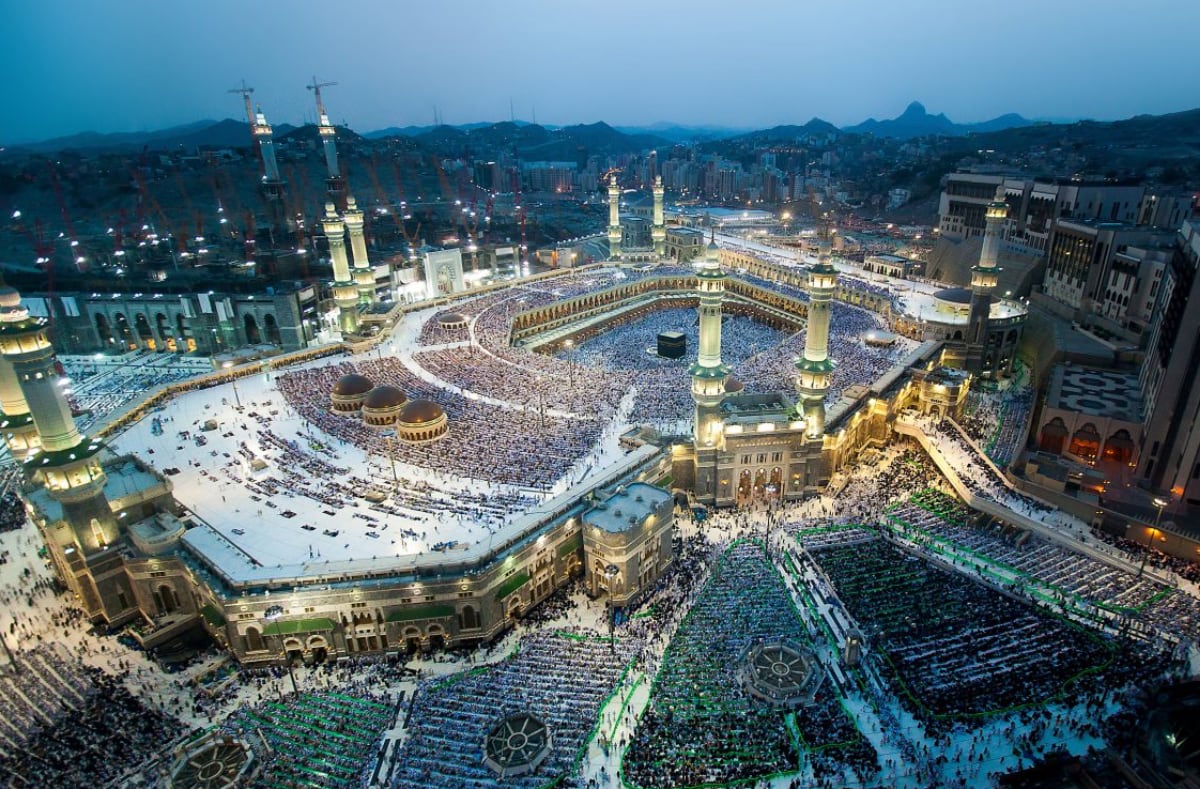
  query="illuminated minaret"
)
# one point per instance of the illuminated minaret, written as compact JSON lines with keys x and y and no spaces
{"x":67,"y":462}
{"x":364,"y":277}
{"x":335,"y":181}
{"x":272,"y":184}
{"x":614,"y":218}
{"x":814,"y":369}
{"x":345,"y":292}
{"x":266,"y":147}
{"x":658,"y":232}
{"x":984,"y":278}
{"x":20,"y":434}
{"x":708,"y":373}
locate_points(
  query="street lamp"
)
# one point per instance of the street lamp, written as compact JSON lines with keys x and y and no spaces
{"x":570,"y":367}
{"x":236,"y":397}
{"x":1159,"y":503}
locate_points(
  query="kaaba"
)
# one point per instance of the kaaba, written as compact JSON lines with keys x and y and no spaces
{"x":672,"y":344}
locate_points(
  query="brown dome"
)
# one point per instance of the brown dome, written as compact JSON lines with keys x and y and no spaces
{"x":419,"y":412}
{"x":733,"y":385}
{"x":385,"y":396}
{"x":352,"y":385}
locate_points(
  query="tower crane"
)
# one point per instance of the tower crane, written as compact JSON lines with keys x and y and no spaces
{"x":315,"y":87}
{"x":246,"y":93}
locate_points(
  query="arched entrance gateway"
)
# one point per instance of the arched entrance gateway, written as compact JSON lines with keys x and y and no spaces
{"x":1085,"y":443}
{"x":104,"y":330}
{"x":294,"y":649}
{"x":745,"y":485}
{"x":1054,"y":436}
{"x":319,"y":648}
{"x":253,"y":337}
{"x":271,"y":329}
{"x":145,"y":336}
{"x":1119,"y":447}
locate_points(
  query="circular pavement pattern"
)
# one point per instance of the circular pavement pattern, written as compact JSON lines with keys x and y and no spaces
{"x":781,"y":672}
{"x":516,"y":745}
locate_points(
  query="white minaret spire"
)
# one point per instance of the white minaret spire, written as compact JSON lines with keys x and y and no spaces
{"x":814,"y":369}
{"x":345,"y":292}
{"x":335,"y":180}
{"x":658,"y":233}
{"x":984,"y":278}
{"x":708,"y":373}
{"x":266,"y":146}
{"x":614,"y":218}
{"x":364,"y":277}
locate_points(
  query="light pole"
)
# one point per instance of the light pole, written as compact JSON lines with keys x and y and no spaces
{"x":1159,"y":503}
{"x":236,"y":397}
{"x":570,"y":368}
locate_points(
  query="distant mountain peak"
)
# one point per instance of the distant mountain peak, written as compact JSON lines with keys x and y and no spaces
{"x":916,"y":121}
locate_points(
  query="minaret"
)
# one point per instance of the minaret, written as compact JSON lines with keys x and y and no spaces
{"x":364,"y":277}
{"x":984,"y":278}
{"x":272,"y":184}
{"x":708,"y":373}
{"x":658,"y":233}
{"x":335,"y":181}
{"x":67,"y":462}
{"x":345,"y":292}
{"x":614,"y":218}
{"x":20,"y":434}
{"x":813,"y":371}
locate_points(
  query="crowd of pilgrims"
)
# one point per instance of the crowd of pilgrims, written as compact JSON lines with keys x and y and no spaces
{"x":99,"y":386}
{"x":952,"y":647}
{"x":561,"y":678}
{"x":996,"y":422}
{"x":12,"y":509}
{"x":720,"y":734}
{"x":68,"y":725}
{"x":311,"y":472}
{"x":1187,"y":570}
{"x":1145,"y":601}
{"x":317,"y":739}
{"x":525,"y":447}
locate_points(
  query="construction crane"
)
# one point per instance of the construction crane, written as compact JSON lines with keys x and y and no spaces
{"x":246,"y":93}
{"x":443,"y":181}
{"x":315,"y":87}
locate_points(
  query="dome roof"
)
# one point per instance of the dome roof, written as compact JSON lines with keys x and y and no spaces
{"x":352,"y":384}
{"x":733,"y":385}
{"x":451,"y":318}
{"x":9,"y":296}
{"x":420,"y":411}
{"x":384,"y":397}
{"x":954,"y":295}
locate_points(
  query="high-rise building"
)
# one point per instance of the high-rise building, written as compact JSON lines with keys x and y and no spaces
{"x":1169,"y":458}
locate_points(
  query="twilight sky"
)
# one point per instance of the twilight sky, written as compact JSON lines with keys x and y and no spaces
{"x":128,"y":65}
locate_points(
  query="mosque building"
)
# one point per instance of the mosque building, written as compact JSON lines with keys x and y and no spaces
{"x":132,"y":554}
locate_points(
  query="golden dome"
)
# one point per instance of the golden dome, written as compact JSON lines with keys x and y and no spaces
{"x":382,"y":397}
{"x":419,"y":412}
{"x":9,"y":297}
{"x":352,"y":385}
